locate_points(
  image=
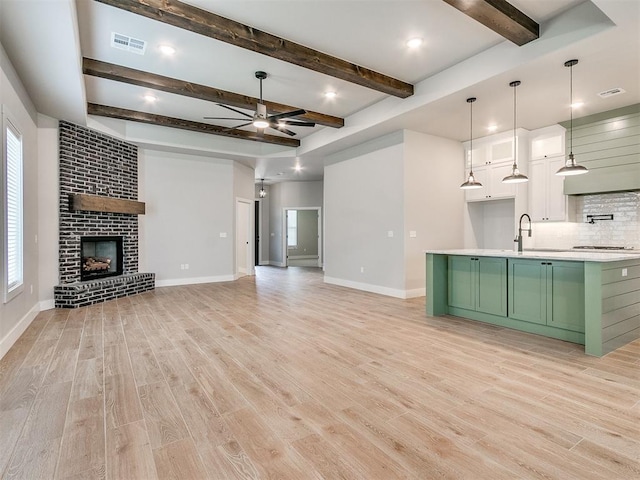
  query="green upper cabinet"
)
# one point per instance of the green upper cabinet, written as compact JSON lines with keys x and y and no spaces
{"x":547,"y":292}
{"x":478,"y":284}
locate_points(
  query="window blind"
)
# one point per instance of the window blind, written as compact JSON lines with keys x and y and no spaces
{"x":13,"y":204}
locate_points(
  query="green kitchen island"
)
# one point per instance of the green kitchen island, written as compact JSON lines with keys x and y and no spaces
{"x":590,"y":298}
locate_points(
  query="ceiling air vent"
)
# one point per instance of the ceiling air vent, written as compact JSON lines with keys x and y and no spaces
{"x":611,"y":92}
{"x":124,"y":42}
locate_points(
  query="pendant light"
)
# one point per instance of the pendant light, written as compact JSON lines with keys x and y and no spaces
{"x":516,"y":176}
{"x":262,"y":193}
{"x":471,"y":181}
{"x":570,"y":166}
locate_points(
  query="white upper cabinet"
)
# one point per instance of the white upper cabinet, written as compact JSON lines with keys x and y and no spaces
{"x":547,"y":142}
{"x":492,"y":161}
{"x":547,"y":201}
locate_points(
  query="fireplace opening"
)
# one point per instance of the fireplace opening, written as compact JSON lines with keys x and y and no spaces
{"x":100,"y":257}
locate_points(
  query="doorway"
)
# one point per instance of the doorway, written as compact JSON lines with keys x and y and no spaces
{"x":244,"y":225}
{"x":256,"y":229}
{"x":302,"y":237}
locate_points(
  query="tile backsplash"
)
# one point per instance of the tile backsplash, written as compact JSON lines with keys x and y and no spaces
{"x":623,"y":230}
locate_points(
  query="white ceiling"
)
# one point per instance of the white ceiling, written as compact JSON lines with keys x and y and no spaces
{"x":46,"y":40}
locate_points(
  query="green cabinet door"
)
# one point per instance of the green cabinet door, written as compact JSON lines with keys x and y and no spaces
{"x":492,"y":286}
{"x":528,"y":290}
{"x":547,"y":292}
{"x":478,"y":284}
{"x":565,"y":295}
{"x":462,"y":282}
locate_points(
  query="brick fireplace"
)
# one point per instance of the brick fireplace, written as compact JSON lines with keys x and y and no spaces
{"x":98,"y":167}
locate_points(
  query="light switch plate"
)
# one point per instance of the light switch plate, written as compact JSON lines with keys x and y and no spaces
{"x":413,"y":234}
{"x":390,"y":234}
{"x":223,"y":234}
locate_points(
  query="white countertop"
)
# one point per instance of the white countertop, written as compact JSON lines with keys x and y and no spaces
{"x":576,"y":256}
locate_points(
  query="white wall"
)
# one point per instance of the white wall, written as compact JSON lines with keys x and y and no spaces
{"x":364,"y":201}
{"x":288,"y":195}
{"x":48,"y":211}
{"x":433,"y":202}
{"x":402,"y":183}
{"x":17,"y":314}
{"x":189,"y":203}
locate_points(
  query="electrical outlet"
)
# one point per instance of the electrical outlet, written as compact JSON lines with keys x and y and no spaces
{"x":361,"y":269}
{"x":624,"y":272}
{"x":182,"y":266}
{"x":31,"y":287}
{"x":413,"y":234}
{"x":390,"y":234}
{"x":223,"y":234}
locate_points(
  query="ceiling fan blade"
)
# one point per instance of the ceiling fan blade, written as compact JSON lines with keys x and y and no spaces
{"x":234,"y":110}
{"x":295,"y":123}
{"x":281,"y":128}
{"x":293,"y":113}
{"x":222,"y":118}
{"x":238,"y":126}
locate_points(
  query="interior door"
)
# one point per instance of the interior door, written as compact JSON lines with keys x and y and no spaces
{"x":243,"y":231}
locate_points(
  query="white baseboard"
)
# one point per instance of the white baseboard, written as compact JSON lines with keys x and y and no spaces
{"x":10,"y":338}
{"x":277,"y":264}
{"x":416,"y":292}
{"x":264,"y":263}
{"x":367,"y":287}
{"x":173,"y":282}
{"x":303,"y":262}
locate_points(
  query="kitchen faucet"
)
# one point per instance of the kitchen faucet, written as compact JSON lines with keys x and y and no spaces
{"x":519,"y":237}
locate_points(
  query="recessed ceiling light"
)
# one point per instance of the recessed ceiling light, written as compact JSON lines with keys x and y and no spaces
{"x":167,"y":49}
{"x":297,"y":168}
{"x":330,"y":94}
{"x":414,"y":42}
{"x":577,"y":104}
{"x":492,"y":128}
{"x":150,"y":98}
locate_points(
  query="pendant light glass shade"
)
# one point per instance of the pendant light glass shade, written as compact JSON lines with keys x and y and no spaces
{"x":570,"y":166}
{"x":262,"y":193}
{"x":471,"y":182}
{"x":515,"y":176}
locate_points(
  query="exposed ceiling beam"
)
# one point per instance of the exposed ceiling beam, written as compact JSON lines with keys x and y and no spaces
{"x":202,"y":92}
{"x":178,"y":14}
{"x":150,"y":118}
{"x":501,"y":17}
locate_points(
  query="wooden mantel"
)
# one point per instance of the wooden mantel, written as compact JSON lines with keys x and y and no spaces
{"x":80,"y":202}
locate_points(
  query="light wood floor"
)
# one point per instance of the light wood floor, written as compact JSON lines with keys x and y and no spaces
{"x":282,"y":376}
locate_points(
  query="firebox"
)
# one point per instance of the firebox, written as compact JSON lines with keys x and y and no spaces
{"x":100,"y":257}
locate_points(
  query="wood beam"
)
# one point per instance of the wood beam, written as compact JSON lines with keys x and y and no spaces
{"x":153,"y":119}
{"x":131,"y":76}
{"x":501,"y":17}
{"x":182,"y":15}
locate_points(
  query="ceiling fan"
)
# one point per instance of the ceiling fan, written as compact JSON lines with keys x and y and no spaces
{"x":261,"y":120}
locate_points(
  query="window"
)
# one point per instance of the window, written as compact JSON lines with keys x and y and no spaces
{"x":12,"y":189}
{"x":292,"y":228}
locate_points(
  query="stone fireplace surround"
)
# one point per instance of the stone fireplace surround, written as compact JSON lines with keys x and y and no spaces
{"x":96,"y":164}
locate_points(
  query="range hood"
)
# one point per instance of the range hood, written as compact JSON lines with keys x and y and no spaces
{"x":608,"y":144}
